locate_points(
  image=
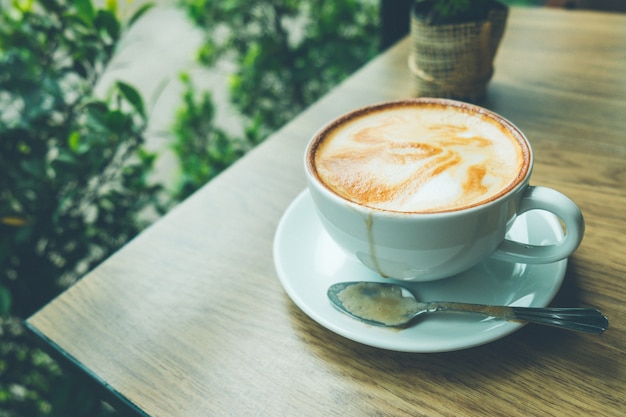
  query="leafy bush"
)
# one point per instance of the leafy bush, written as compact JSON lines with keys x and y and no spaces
{"x":73,"y":176}
{"x":72,"y":184}
{"x":288,"y":52}
{"x":203,"y":148}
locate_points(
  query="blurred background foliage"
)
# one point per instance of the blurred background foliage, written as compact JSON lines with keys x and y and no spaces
{"x":202,"y":148}
{"x":72,"y":184}
{"x":73,"y":167}
{"x":287,"y":52}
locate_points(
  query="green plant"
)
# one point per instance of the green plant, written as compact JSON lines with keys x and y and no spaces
{"x":454,"y":11}
{"x":73,"y":176}
{"x":287,"y":52}
{"x":72,"y":185}
{"x":204,"y":149}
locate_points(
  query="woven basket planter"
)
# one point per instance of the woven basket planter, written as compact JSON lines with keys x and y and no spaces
{"x":455,"y":60}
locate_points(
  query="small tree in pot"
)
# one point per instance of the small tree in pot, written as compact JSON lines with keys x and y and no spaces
{"x":454,"y":43}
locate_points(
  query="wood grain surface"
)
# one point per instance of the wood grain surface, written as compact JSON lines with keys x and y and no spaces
{"x":190,"y":319}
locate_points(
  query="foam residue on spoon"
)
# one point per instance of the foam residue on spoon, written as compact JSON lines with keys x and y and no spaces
{"x":375,"y":302}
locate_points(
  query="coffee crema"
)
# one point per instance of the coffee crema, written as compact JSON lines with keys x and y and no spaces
{"x":419,"y":156}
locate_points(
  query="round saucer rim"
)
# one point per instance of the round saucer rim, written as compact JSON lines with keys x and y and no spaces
{"x":498,"y":330}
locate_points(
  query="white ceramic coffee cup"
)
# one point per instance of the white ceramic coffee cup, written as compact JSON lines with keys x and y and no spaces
{"x":425,"y":246}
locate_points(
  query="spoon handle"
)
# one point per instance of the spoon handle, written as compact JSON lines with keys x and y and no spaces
{"x":586,"y":320}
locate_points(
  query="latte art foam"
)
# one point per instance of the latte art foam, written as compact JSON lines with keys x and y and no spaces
{"x":418,"y":158}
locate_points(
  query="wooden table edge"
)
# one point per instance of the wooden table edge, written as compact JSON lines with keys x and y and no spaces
{"x":69,"y":363}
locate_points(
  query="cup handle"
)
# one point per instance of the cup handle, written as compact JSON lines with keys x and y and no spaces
{"x":543,"y":198}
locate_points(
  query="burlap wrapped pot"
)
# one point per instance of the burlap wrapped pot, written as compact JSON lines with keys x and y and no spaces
{"x":455,"y":60}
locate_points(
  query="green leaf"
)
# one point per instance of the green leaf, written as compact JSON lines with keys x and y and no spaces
{"x":106,"y":20}
{"x":33,"y":167}
{"x":85,"y":10}
{"x":140,"y":12}
{"x":111,"y":5}
{"x":97,"y":110}
{"x":5,"y":301}
{"x":133,"y":97}
{"x":65,"y":157}
{"x":116,"y":121}
{"x":74,"y":141}
{"x":147,"y":158}
{"x":80,"y":68}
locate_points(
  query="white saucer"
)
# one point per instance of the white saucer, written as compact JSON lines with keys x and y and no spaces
{"x":308,"y":262}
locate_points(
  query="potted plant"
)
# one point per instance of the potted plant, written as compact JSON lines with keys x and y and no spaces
{"x":453,"y":44}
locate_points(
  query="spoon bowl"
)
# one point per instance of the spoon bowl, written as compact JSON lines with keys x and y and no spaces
{"x":392,"y":305}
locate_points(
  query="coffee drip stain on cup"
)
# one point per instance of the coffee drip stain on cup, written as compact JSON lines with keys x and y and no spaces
{"x":373,"y":257}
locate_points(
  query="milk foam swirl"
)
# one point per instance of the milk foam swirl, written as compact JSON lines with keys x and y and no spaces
{"x":420,"y":158}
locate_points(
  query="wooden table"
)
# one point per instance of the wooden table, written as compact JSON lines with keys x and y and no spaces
{"x":190,"y":319}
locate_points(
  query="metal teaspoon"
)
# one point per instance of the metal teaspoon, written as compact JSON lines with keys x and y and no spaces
{"x":391,"y":305}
